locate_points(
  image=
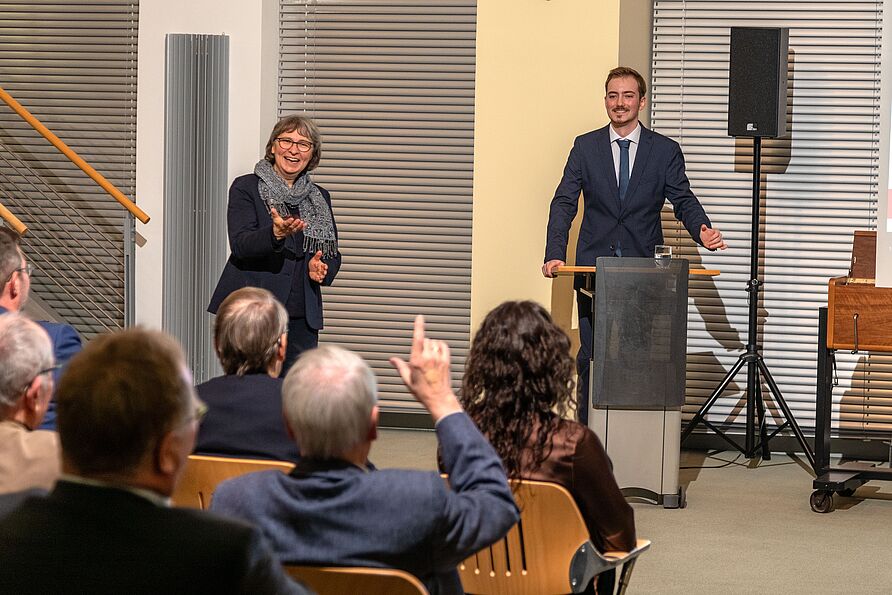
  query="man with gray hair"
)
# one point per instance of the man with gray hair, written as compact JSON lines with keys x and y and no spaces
{"x":245,"y":405}
{"x":15,"y":275}
{"x":29,"y":458}
{"x":333,"y":510}
{"x":127,"y":421}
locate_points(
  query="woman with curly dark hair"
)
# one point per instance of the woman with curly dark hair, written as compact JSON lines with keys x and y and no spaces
{"x":518,"y":387}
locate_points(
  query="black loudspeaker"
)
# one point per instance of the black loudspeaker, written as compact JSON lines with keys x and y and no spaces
{"x":757,"y":82}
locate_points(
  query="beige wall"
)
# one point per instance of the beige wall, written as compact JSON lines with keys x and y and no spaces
{"x":540,"y":73}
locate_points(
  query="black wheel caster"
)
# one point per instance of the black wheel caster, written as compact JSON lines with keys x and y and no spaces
{"x":821,"y":501}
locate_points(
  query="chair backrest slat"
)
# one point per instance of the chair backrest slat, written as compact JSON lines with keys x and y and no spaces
{"x":534,"y":558}
{"x":368,"y":581}
{"x":203,"y":473}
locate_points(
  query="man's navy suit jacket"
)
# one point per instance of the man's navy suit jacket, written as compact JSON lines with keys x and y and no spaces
{"x":244,"y":419}
{"x":633,"y":224}
{"x":334,"y":513}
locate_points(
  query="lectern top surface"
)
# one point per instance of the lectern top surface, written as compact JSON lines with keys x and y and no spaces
{"x":570,"y":270}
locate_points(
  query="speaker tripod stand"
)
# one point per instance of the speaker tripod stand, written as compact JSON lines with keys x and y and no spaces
{"x":756,"y":369}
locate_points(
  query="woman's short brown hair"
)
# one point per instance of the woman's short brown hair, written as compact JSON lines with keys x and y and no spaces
{"x":304,"y":126}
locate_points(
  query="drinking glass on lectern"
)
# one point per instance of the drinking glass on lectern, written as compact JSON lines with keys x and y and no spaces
{"x":662,"y":254}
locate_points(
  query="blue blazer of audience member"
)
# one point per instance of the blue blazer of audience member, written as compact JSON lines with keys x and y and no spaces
{"x":66,"y":343}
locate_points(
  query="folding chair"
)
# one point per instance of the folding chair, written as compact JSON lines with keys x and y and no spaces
{"x":203,"y":473}
{"x":548,"y":552}
{"x":332,"y":580}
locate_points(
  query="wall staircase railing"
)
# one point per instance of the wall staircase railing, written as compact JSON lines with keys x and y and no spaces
{"x":85,"y":278}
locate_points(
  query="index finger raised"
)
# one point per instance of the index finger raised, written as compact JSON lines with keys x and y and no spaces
{"x":418,"y":335}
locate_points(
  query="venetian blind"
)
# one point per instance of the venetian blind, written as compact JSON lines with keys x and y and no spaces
{"x":391,"y":85}
{"x":72,"y":65}
{"x":819,"y":183}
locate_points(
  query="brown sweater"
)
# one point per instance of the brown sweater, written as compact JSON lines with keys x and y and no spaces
{"x":579,"y":462}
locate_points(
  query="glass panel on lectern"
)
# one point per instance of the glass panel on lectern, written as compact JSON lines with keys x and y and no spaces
{"x":640,"y":333}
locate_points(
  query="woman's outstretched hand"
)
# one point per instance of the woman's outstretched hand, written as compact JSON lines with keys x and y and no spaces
{"x":283,"y":227}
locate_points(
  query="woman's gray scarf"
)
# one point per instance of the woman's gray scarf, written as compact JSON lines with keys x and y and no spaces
{"x":309,"y":202}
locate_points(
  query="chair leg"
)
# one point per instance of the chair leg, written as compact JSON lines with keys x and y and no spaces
{"x":624,"y":576}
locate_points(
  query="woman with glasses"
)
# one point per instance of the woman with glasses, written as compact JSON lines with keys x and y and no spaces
{"x":518,"y":388}
{"x":282,"y":232}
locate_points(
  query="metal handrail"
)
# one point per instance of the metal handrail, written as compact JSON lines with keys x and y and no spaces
{"x":73,"y":157}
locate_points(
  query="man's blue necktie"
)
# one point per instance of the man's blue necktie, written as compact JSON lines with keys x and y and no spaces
{"x":623,"y":166}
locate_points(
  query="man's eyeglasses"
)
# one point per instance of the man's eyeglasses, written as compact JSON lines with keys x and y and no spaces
{"x":52,"y":368}
{"x":28,"y":269}
{"x":201,"y":409}
{"x":286,"y":143}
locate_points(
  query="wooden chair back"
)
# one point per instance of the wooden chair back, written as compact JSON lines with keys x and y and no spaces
{"x":547,"y":552}
{"x":203,"y":473}
{"x":368,"y":581}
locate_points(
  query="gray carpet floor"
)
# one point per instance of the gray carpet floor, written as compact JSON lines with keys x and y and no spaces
{"x":747,"y":528}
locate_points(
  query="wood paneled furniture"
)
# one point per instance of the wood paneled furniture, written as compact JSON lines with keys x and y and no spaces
{"x":332,"y":580}
{"x":203,"y":473}
{"x":858,"y":317}
{"x":547,"y":552}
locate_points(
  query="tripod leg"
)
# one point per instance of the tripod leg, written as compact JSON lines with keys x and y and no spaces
{"x":763,"y":432}
{"x":695,"y":421}
{"x":752,"y":387}
{"x":779,"y":399}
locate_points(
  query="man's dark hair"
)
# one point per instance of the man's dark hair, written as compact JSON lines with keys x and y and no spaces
{"x":10,"y":254}
{"x":623,"y":71}
{"x":118,"y":398}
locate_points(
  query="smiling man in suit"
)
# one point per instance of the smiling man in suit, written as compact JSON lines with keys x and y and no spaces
{"x":625,"y":172}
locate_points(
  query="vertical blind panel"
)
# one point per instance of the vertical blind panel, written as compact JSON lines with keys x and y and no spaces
{"x":73,"y":66}
{"x":391,"y":85}
{"x":819,"y":183}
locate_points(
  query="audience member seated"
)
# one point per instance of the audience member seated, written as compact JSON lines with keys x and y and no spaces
{"x":29,"y":458}
{"x":127,"y":421}
{"x":331,"y":510}
{"x":518,"y":387}
{"x":244,"y":416}
{"x":16,"y":273}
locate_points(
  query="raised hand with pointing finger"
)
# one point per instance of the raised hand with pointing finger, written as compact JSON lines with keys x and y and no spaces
{"x":426,"y":374}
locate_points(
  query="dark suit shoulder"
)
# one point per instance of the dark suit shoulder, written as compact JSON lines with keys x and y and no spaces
{"x":659,"y":140}
{"x":246,"y":182}
{"x":592,"y":136}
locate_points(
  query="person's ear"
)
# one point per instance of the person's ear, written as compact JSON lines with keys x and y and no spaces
{"x":373,"y":425}
{"x":283,"y":347}
{"x":33,"y":394}
{"x":173,"y":450}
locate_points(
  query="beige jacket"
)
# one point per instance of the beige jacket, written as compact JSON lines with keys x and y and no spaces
{"x":27,"y":459}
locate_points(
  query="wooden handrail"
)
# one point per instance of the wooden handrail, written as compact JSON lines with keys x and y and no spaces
{"x":73,"y":157}
{"x":13,"y":221}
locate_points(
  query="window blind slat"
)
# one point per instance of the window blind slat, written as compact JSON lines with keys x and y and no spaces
{"x":819,"y":184}
{"x":391,"y":85}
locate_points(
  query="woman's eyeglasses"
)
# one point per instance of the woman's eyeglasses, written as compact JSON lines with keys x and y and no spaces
{"x":286,"y":143}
